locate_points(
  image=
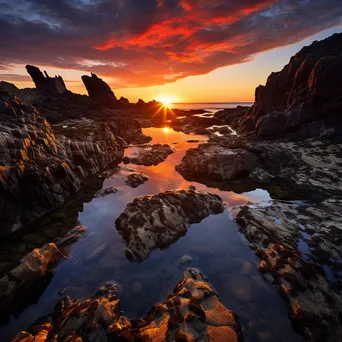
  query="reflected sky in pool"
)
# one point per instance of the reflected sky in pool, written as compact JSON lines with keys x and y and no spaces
{"x":214,"y":244}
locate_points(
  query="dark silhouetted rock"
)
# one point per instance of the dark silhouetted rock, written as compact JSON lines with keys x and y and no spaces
{"x":100,"y":91}
{"x":306,"y":95}
{"x":157,"y":221}
{"x":124,"y":100}
{"x":51,"y":85}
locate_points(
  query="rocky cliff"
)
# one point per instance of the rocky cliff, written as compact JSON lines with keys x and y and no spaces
{"x":302,"y":100}
{"x":40,"y":166}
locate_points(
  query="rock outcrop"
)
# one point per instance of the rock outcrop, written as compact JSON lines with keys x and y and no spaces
{"x":193,"y":312}
{"x":149,"y":154}
{"x":135,"y":179}
{"x":46,"y":84}
{"x":38,"y":168}
{"x":157,"y":221}
{"x":100,"y":92}
{"x":304,"y":99}
{"x":34,"y":271}
{"x":216,"y":162}
{"x":299,"y":246}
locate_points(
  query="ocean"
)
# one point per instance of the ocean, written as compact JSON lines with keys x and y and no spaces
{"x":210,"y":106}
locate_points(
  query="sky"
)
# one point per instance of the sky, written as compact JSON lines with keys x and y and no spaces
{"x":179,"y":50}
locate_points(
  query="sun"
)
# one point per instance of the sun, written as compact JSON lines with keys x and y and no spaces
{"x":166,"y":100}
{"x":166,"y":129}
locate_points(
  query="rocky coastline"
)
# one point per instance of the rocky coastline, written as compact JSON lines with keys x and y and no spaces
{"x":52,"y":142}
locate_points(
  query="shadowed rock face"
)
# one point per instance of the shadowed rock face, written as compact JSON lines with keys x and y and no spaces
{"x":157,"y":221}
{"x":38,"y":168}
{"x":135,"y":179}
{"x":302,"y":100}
{"x":193,"y":312}
{"x":51,"y":85}
{"x":100,"y":91}
{"x":295,"y":243}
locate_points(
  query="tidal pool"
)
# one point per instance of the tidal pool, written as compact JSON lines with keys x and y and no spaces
{"x":215,"y":245}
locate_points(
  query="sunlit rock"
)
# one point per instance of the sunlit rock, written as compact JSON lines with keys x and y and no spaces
{"x":192,"y":312}
{"x":157,"y":221}
{"x":295,"y":243}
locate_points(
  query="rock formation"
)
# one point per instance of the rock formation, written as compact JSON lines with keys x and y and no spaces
{"x":40,"y":167}
{"x":149,"y":154}
{"x":304,"y":99}
{"x":193,"y":312}
{"x":34,"y":271}
{"x":212,"y":161}
{"x":46,"y":84}
{"x":157,"y":221}
{"x":296,"y":243}
{"x":100,"y":92}
{"x":135,"y":179}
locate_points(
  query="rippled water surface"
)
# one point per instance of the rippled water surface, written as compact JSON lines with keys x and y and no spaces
{"x":215,"y":246}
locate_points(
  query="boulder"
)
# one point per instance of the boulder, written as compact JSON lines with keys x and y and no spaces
{"x":216,"y":162}
{"x":148,"y":155}
{"x":159,"y":220}
{"x":135,"y":179}
{"x":192,"y":312}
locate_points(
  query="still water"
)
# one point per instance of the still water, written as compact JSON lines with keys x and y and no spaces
{"x":214,"y":244}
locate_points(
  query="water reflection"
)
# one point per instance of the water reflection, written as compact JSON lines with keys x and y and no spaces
{"x":214,"y":245}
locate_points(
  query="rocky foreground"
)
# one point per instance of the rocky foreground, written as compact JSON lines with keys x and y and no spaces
{"x":42,"y":165}
{"x":298,"y":242}
{"x":157,"y":221}
{"x":193,"y":312}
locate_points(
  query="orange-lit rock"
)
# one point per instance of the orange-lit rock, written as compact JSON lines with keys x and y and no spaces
{"x":193,"y":312}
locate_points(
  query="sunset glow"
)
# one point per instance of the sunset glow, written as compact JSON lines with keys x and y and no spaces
{"x":166,"y":100}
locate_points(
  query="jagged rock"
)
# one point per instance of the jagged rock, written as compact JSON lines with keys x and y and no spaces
{"x":277,"y":232}
{"x":100,"y":91}
{"x":106,"y":192}
{"x":157,"y":221}
{"x":46,"y":83}
{"x":39,"y":169}
{"x":193,"y":312}
{"x":306,"y":95}
{"x":124,"y":100}
{"x":136,"y":179}
{"x":216,"y":162}
{"x":148,"y":155}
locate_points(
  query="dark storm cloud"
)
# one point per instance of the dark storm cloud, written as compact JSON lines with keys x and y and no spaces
{"x":153,"y":41}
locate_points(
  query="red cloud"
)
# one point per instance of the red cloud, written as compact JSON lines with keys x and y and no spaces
{"x":141,"y":43}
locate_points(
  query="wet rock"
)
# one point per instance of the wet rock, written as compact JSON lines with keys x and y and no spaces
{"x":106,"y":192}
{"x":185,"y":259}
{"x":157,"y":221}
{"x":45,"y":164}
{"x":216,"y":162}
{"x":31,"y":268}
{"x":192,"y":312}
{"x":136,"y":179}
{"x":275,"y":233}
{"x":148,"y":155}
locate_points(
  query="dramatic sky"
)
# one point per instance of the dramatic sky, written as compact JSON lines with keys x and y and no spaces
{"x":189,"y":50}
